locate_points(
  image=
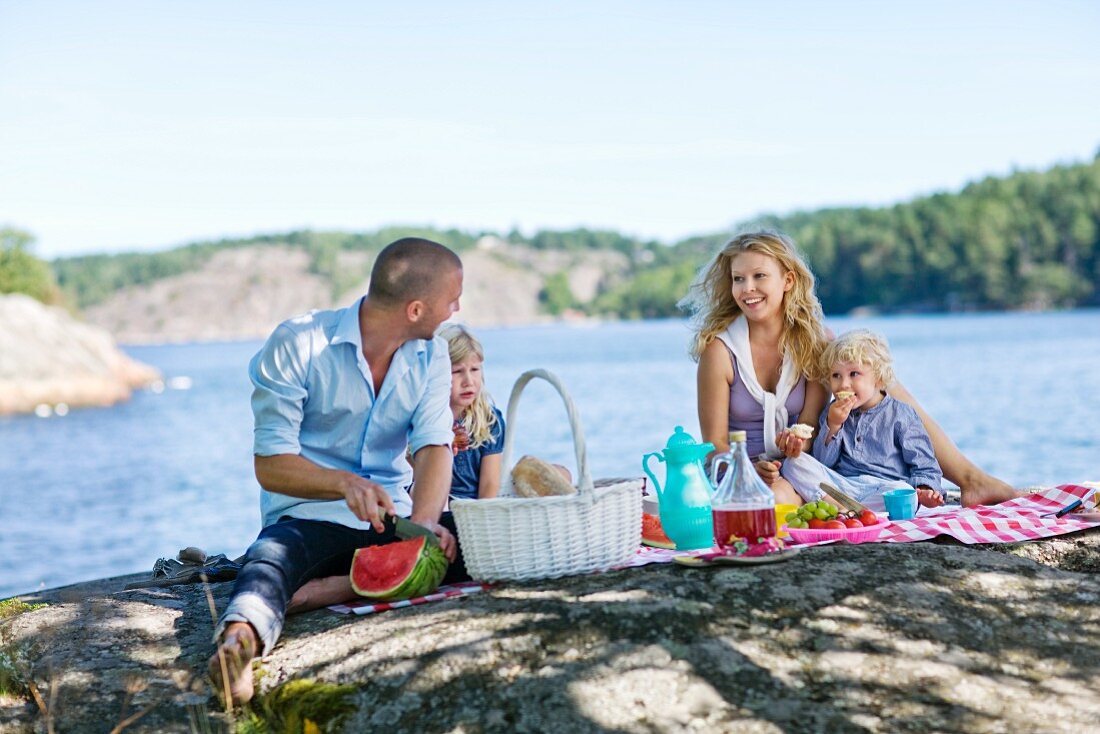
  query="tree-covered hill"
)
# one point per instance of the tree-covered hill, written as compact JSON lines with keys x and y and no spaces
{"x":1027,"y":240}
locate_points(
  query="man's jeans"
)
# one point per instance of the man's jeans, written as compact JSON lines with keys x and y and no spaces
{"x":288,"y":554}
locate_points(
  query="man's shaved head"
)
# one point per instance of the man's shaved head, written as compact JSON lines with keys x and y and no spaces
{"x":409,"y":269}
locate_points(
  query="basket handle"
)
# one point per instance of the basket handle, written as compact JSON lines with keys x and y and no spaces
{"x":584,"y":482}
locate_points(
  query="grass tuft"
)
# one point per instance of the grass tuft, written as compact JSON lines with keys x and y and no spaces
{"x":14,"y":607}
{"x":298,"y":706}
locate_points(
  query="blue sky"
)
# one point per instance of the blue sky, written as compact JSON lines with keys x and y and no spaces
{"x":142,"y":125}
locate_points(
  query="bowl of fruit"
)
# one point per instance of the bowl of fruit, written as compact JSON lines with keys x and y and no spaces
{"x":821,"y":520}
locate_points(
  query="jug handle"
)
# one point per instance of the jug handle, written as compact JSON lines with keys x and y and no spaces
{"x":645,"y":467}
{"x":714,"y":469}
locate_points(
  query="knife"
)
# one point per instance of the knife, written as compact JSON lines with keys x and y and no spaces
{"x":405,"y":529}
{"x":1065,"y":510}
{"x":844,"y":500}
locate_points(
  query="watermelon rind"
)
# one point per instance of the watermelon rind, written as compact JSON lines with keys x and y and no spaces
{"x":416,"y":567}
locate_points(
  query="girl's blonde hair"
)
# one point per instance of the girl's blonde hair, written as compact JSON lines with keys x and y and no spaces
{"x":862,"y":347}
{"x":712,"y":306}
{"x":478,"y":419}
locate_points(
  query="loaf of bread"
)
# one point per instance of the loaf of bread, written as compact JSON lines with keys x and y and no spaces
{"x":801,"y":430}
{"x":533,"y":477}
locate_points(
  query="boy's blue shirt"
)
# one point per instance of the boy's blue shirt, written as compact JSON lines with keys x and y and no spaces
{"x":314,"y":396}
{"x":887,"y":441}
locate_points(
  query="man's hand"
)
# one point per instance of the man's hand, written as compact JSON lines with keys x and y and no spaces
{"x":446,"y":541}
{"x":768,"y":470}
{"x":366,"y":499}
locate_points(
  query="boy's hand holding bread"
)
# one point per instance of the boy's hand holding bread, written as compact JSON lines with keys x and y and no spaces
{"x":839,"y":411}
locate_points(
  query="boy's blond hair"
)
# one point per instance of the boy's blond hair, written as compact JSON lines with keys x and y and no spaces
{"x":713,"y":308}
{"x":478,"y":419}
{"x":862,"y":347}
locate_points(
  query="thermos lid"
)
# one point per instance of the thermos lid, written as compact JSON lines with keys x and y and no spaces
{"x":681,"y":447}
{"x":680,"y":438}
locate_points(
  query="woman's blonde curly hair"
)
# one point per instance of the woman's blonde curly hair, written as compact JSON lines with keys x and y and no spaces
{"x":713,"y":308}
{"x":478,"y":419}
{"x":861,"y":347}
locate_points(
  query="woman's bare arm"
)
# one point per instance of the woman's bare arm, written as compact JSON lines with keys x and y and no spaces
{"x":714,"y":377}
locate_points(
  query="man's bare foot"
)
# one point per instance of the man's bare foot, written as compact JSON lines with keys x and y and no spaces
{"x":230,"y":666}
{"x":322,"y":592}
{"x":987,"y":490}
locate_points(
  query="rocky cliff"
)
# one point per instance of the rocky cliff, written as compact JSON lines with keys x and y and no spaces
{"x":48,"y":358}
{"x":245,"y":292}
{"x":923,"y":637}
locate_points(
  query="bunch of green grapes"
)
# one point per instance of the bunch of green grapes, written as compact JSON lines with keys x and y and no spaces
{"x":821,"y":511}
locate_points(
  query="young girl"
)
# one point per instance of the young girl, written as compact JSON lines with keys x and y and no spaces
{"x":867,"y":442}
{"x":479,"y":425}
{"x":758,"y":334}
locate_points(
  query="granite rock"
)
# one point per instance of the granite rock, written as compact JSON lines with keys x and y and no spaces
{"x":924,"y":637}
{"x":47,"y":357}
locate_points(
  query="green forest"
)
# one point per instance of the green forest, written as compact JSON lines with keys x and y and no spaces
{"x":1027,"y":240}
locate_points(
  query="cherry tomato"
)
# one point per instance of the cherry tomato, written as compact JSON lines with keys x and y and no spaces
{"x":835,"y":525}
{"x":851,"y":522}
{"x":816,"y":524}
{"x":868,"y":518}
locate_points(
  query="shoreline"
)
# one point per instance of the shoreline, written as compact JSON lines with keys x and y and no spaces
{"x":587,"y":322}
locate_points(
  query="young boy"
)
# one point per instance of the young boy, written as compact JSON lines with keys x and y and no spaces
{"x":867,"y":442}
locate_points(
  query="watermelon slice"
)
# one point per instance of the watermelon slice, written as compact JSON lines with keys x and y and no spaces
{"x":400,"y":570}
{"x":653,"y":534}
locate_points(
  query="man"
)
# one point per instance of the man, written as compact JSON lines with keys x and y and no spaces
{"x":338,"y":397}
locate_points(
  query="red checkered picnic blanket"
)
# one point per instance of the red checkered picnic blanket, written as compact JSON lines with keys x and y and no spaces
{"x":1024,"y":518}
{"x":366,"y":606}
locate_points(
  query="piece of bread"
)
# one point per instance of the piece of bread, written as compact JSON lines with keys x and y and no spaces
{"x":801,"y":430}
{"x":844,"y":394}
{"x":533,"y":477}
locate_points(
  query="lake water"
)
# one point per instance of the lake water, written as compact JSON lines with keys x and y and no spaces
{"x":107,"y":491}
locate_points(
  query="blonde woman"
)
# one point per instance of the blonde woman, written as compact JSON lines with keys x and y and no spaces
{"x":478,"y":424}
{"x":759,"y":334}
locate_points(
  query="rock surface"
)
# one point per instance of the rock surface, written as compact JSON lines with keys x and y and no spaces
{"x":47,"y":357}
{"x":926,"y":637}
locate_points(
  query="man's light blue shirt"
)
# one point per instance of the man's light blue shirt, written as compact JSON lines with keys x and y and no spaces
{"x":314,"y":397}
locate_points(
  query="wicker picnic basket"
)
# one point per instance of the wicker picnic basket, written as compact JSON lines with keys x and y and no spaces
{"x":520,"y":538}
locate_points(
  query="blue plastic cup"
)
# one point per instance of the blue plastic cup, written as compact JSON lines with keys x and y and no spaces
{"x":901,"y":504}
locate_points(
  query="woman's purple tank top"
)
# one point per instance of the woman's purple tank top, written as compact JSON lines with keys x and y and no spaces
{"x":748,"y":415}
